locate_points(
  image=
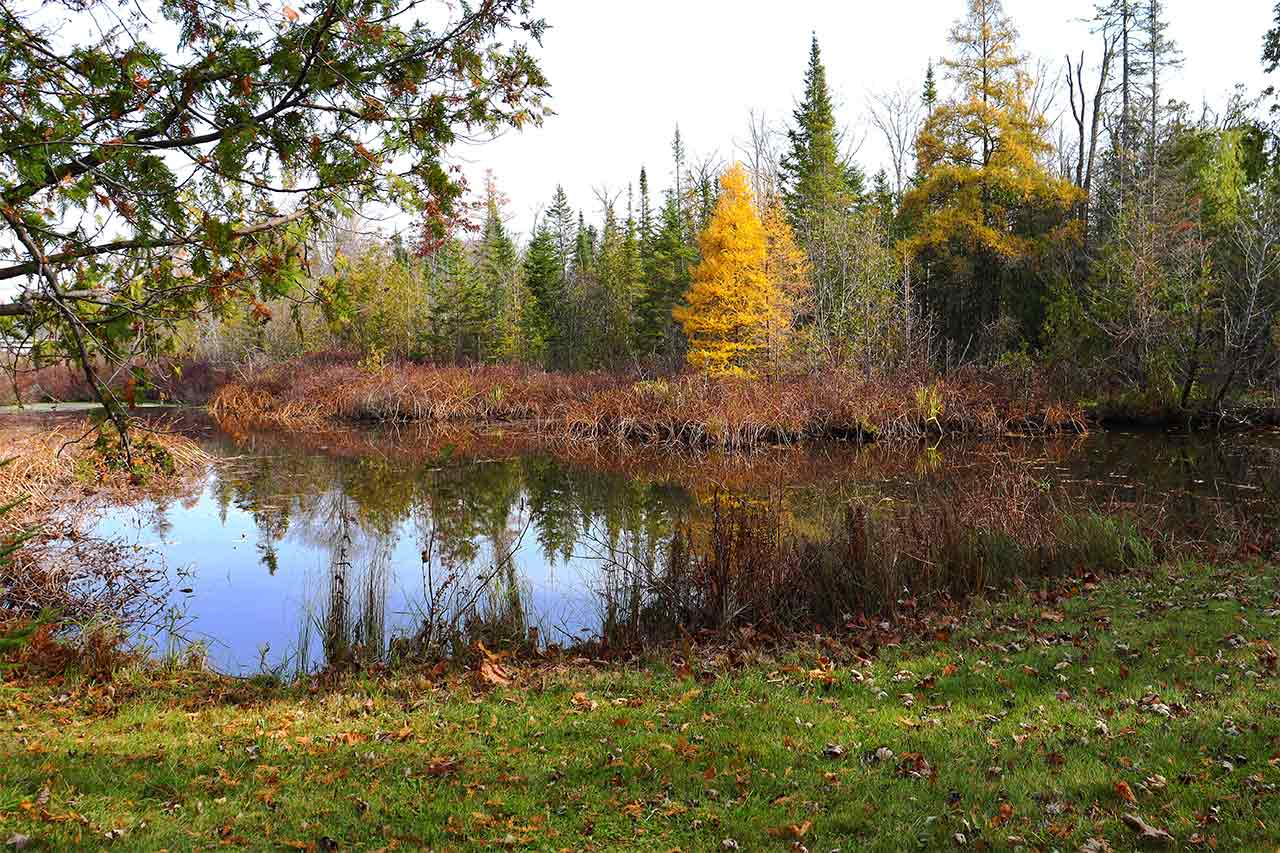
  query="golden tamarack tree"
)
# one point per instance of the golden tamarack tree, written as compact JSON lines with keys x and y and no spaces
{"x":788,"y":270}
{"x":986,"y":209}
{"x":731,"y":303}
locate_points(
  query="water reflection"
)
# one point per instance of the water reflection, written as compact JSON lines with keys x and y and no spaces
{"x":306,"y":552}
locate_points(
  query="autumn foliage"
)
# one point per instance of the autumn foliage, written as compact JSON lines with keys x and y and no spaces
{"x":731,"y":304}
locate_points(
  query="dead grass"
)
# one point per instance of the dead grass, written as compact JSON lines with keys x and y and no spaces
{"x":162,"y":380}
{"x":60,"y":465}
{"x":66,"y":475}
{"x":694,"y":411}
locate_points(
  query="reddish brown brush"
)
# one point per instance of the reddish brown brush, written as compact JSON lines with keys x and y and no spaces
{"x":686,"y":410}
{"x":165,"y":379}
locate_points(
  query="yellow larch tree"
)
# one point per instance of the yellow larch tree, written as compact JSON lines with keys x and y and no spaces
{"x":731,"y":302}
{"x":987,"y":208}
{"x":787,"y":268}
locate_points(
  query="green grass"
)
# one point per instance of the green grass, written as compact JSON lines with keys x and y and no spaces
{"x":1017,"y":730}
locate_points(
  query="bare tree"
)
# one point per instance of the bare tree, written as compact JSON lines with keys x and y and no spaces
{"x":1251,"y":305}
{"x":763,"y":158}
{"x":897,"y":114}
{"x":1085,"y":115}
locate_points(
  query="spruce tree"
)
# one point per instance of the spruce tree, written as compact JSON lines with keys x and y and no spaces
{"x":666,"y":279}
{"x":458,"y":305}
{"x":644,"y":225}
{"x":543,"y":284}
{"x":498,"y":268}
{"x":815,"y":179}
{"x":561,"y":219}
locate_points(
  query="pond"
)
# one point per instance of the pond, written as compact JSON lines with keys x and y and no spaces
{"x":296,"y":551}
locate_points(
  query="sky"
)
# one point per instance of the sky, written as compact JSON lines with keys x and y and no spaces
{"x":624,"y":74}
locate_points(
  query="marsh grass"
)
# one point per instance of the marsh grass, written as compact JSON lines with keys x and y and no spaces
{"x":687,"y":410}
{"x":750,"y":566}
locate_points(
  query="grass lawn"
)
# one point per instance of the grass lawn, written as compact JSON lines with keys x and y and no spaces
{"x":1034,"y":725}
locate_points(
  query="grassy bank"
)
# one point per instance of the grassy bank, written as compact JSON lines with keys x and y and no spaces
{"x":1146,"y":703}
{"x":688,"y":410}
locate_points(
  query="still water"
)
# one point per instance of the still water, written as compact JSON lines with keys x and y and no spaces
{"x":294,"y":551}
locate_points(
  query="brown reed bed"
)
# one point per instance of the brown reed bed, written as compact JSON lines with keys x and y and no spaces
{"x":59,"y":474}
{"x":747,"y":565}
{"x":692,"y":411}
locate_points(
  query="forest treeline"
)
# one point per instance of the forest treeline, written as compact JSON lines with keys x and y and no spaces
{"x":1132,"y":242}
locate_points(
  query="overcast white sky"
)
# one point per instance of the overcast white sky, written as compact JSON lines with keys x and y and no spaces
{"x":623,"y":74}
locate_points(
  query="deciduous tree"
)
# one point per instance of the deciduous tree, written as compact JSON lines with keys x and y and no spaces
{"x":731,"y":303}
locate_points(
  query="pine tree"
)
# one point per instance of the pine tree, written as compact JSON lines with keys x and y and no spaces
{"x":644,"y":225}
{"x":929,"y":96}
{"x":666,"y":279}
{"x":562,"y":221}
{"x":1156,"y":54}
{"x":612,"y":314}
{"x":498,"y":268}
{"x":731,"y":303}
{"x":458,"y":304}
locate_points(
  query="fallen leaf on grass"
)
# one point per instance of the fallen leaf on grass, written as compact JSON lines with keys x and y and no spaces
{"x":1146,"y":832}
{"x":493,"y":672}
{"x":792,"y":830}
{"x":1125,"y":792}
{"x":442,"y":766}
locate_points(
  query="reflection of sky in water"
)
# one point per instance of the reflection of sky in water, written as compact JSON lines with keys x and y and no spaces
{"x":236,"y":604}
{"x":292,"y":506}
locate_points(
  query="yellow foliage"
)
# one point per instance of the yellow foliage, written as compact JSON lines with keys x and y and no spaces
{"x":731,"y":303}
{"x":984,"y":186}
{"x":787,"y":268}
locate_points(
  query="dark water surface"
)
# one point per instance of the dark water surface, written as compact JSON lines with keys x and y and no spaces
{"x":295,"y":551}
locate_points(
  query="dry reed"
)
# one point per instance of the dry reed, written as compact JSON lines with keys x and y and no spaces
{"x":318,"y":392}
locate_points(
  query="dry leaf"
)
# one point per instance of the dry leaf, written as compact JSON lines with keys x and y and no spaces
{"x":1147,"y":832}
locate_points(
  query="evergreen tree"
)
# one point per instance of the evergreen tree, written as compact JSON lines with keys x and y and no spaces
{"x":498,"y":269}
{"x":929,"y":97}
{"x":563,"y":223}
{"x":458,"y":302}
{"x":543,"y":282}
{"x":612,"y":297}
{"x":815,"y":179}
{"x":666,"y":279}
{"x":644,"y":225}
